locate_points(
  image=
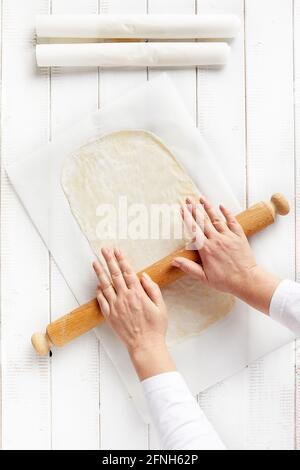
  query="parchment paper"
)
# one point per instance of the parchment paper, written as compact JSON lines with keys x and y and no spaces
{"x":137,"y":26}
{"x":221,"y":350}
{"x":137,"y":54}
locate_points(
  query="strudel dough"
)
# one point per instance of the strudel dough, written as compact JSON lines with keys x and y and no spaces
{"x":137,"y":168}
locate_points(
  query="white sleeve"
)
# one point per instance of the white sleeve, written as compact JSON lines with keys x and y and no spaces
{"x":285,"y":305}
{"x":180,"y":422}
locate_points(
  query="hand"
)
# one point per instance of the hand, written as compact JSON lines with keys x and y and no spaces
{"x":227,"y":261}
{"x":136,"y":312}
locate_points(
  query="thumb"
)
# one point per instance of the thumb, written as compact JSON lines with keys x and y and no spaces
{"x":152,"y":289}
{"x":190,"y":268}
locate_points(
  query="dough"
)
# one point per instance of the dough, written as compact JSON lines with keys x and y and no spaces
{"x":135,"y":167}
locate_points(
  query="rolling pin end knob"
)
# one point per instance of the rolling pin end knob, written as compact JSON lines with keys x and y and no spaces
{"x":41,"y":343}
{"x":280,"y":203}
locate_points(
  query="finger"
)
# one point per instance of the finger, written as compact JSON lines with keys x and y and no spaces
{"x":152,"y":289}
{"x":191,"y":206}
{"x":190,"y":268}
{"x":193,"y":228}
{"x":209,"y":230}
{"x":129,"y":275}
{"x":197,"y":211}
{"x":215,"y":219}
{"x":114,"y":269}
{"x":104,"y":281}
{"x":231,"y":221}
{"x":103,"y":304}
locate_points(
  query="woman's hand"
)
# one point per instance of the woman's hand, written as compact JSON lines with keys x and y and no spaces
{"x":227,"y":261}
{"x":136,"y":312}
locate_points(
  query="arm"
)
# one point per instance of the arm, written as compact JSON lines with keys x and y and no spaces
{"x":177,"y":416}
{"x":229,"y":265}
{"x":136,"y":312}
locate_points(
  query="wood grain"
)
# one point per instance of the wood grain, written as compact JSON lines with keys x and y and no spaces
{"x":270,"y":144}
{"x":24,"y":260}
{"x":75,"y":374}
{"x":221,"y":116}
{"x":297,"y":165}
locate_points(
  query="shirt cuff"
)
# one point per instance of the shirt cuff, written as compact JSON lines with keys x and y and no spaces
{"x":165,"y":380}
{"x":284,"y":307}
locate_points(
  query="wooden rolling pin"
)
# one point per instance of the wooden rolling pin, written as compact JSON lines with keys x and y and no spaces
{"x":88,"y":316}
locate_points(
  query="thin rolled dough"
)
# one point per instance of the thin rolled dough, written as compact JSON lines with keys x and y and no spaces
{"x":136,"y":164}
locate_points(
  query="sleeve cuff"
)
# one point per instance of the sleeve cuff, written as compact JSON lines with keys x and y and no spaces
{"x":285,"y":305}
{"x":165,"y":380}
{"x":279,"y":299}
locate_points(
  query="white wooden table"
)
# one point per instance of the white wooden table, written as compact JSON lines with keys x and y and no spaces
{"x":250,"y":114}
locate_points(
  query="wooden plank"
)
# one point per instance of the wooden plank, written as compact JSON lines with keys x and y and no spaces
{"x":25,"y":284}
{"x":121,"y":426}
{"x":115,"y":83}
{"x":221,"y":119}
{"x":75,"y":369}
{"x":1,"y":41}
{"x":270,"y":145}
{"x":221,"y":102}
{"x":185,"y":81}
{"x":297,"y":161}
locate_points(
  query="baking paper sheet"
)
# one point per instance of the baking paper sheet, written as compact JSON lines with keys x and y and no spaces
{"x":138,"y":54}
{"x":220,"y":351}
{"x":137,"y":26}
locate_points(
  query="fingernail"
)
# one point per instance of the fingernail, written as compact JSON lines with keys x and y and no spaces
{"x":188,"y":200}
{"x":175,"y":263}
{"x":146,"y":276}
{"x":108,"y":251}
{"x":117,"y":251}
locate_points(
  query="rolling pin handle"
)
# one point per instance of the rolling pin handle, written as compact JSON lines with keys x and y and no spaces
{"x":280,"y":204}
{"x":41,"y":343}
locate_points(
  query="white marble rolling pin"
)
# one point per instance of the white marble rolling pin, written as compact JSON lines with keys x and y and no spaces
{"x":139,"y":54}
{"x":137,"y":26}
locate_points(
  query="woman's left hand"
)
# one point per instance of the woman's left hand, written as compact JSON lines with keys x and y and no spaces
{"x":136,"y":312}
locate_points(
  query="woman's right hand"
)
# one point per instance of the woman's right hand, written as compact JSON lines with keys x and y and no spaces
{"x":227,"y":261}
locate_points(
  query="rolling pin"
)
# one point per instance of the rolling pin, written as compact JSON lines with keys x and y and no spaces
{"x":88,"y":316}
